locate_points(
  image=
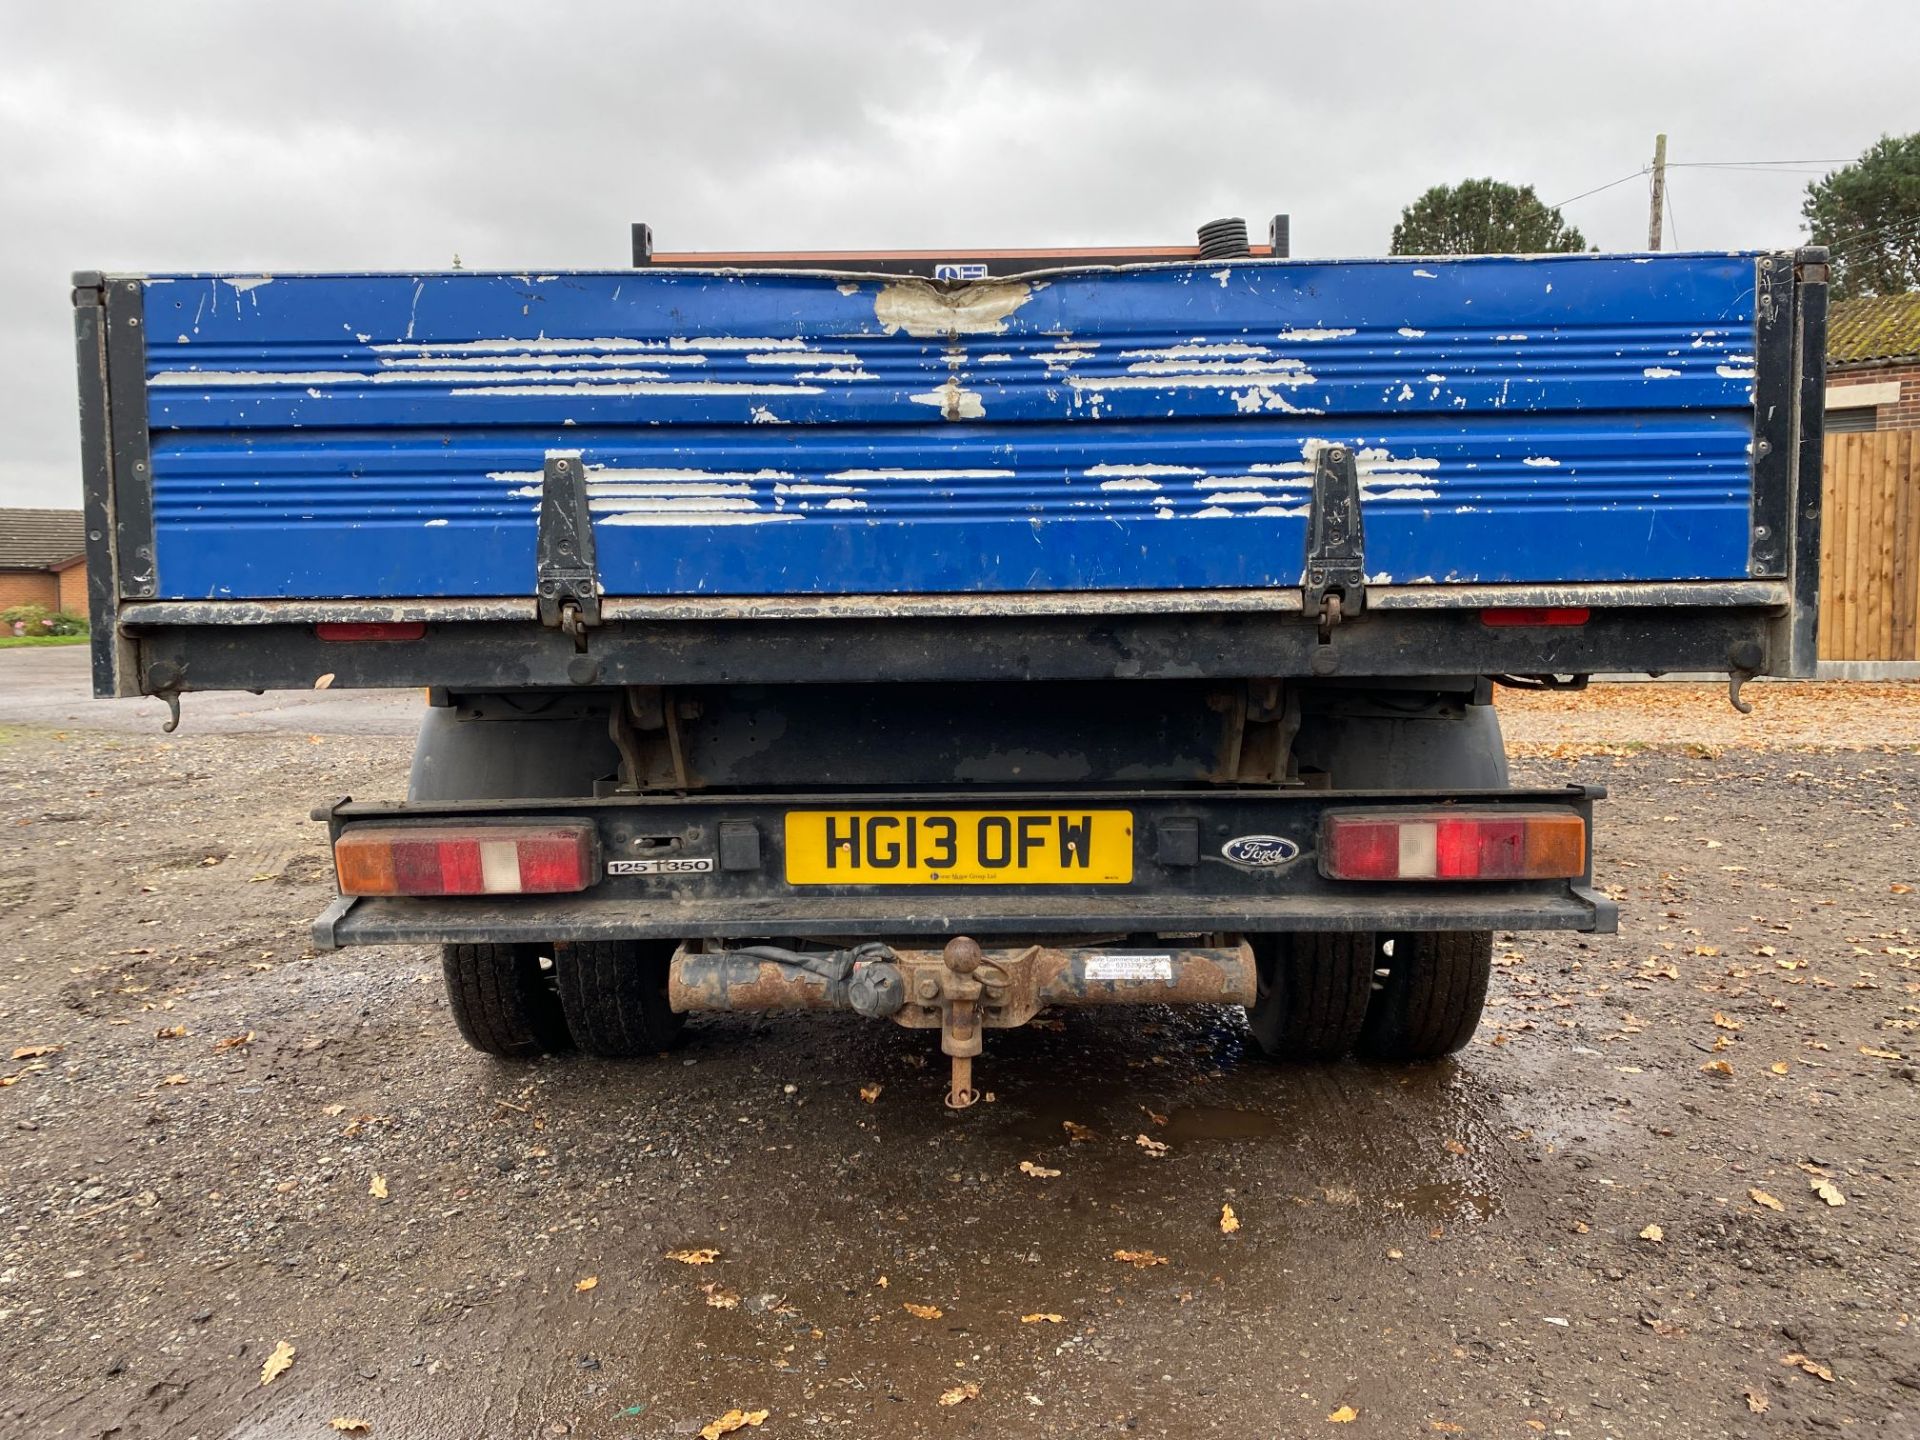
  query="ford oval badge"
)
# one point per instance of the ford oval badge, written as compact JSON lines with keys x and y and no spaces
{"x":1260,"y":850}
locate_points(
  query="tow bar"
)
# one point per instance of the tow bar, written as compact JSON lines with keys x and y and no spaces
{"x":960,"y":990}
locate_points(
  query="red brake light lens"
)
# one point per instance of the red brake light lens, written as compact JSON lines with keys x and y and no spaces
{"x":369,"y":630}
{"x":465,"y":859}
{"x":1535,"y":615}
{"x":1505,"y":844}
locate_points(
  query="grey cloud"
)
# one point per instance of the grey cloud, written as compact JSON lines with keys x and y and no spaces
{"x":246,"y":137}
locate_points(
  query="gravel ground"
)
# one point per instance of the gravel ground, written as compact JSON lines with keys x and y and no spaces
{"x":1604,"y":1218}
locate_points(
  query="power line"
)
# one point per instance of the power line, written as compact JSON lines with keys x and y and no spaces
{"x":1608,"y":186}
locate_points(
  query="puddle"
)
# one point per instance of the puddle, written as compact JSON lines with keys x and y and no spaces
{"x":1217,"y":1122}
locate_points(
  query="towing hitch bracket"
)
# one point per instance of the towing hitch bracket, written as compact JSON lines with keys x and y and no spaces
{"x":962,"y":989}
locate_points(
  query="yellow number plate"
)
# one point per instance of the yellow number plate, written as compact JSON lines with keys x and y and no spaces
{"x":967,"y":847}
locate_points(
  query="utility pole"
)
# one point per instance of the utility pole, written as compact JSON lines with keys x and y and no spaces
{"x":1659,"y":191}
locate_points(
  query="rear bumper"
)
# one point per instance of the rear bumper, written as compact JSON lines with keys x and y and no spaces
{"x":382,"y":921}
{"x":1181,"y":882}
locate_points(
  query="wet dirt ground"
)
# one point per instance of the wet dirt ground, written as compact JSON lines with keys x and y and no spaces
{"x":1559,"y":1232}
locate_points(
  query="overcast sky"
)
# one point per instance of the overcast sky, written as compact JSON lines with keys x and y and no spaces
{"x":259,"y":136}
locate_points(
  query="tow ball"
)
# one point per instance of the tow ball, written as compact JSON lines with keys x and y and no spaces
{"x":962,"y":989}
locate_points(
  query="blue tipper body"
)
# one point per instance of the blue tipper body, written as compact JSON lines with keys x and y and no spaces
{"x":1543,"y":419}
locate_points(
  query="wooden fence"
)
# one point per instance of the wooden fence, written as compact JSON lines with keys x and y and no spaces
{"x":1870,"y":547}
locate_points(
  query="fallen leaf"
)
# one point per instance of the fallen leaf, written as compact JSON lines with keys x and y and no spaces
{"x":350,"y":1425}
{"x":1757,"y":1403}
{"x":1039,"y":1172}
{"x":1864,"y":1050}
{"x":1043,"y":1318}
{"x":377,"y":1187}
{"x":1812,"y":1367}
{"x":1154,"y":1115}
{"x":336,"y":1110}
{"x":234,"y":1042}
{"x":1828,"y":1191}
{"x":960,"y":1393}
{"x":324,"y":682}
{"x":1345,"y":1415}
{"x":1761,"y":1197}
{"x":582,"y":1286}
{"x":719,"y":1297}
{"x":1724,"y":1022}
{"x":170,"y":1032}
{"x":277,"y":1363}
{"x":923,"y":1312}
{"x":1229,"y":1222}
{"x":1153,"y":1147}
{"x":1717,"y":1067}
{"x":1139,"y":1259}
{"x":34,"y":1052}
{"x":1078,"y":1134}
{"x":871,"y":1093}
{"x":694,"y":1257}
{"x":174,"y":1080}
{"x":881,"y":1281}
{"x":1455,"y":1147}
{"x":1706,"y":949}
{"x":1653,"y":1233}
{"x":1446,"y":1428}
{"x":731,"y":1421}
{"x":1780,"y":1067}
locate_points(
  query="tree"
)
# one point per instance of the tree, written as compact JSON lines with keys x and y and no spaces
{"x":1482,"y":217}
{"x":1868,"y":214}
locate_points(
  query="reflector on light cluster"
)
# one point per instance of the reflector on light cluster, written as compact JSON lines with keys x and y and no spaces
{"x":464,"y":859}
{"x":1502,"y":844}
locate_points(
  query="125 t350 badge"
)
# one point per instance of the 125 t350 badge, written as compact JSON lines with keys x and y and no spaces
{"x":1261,"y":852}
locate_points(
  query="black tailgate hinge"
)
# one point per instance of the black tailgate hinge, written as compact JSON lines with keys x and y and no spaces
{"x":1336,"y":541}
{"x":569,"y":587}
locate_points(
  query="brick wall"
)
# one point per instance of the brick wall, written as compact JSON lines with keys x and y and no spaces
{"x":73,"y":588}
{"x":29,"y":587}
{"x":1904,"y":414}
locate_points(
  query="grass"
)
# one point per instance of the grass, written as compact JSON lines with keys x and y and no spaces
{"x":22,"y":642}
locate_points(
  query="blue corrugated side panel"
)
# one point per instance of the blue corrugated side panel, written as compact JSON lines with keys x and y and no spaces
{"x":1577,"y":418}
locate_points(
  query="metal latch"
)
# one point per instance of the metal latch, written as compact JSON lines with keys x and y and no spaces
{"x":1336,"y":541}
{"x":569,"y":587}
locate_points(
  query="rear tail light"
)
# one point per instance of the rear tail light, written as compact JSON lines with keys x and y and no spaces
{"x":465,"y":859}
{"x":1535,"y":615}
{"x":370,"y":630}
{"x":1453,"y":845}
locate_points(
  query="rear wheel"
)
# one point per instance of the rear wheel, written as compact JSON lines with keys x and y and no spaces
{"x":1313,"y":994}
{"x":1429,"y":1004}
{"x":614,"y":993}
{"x":502,"y":1000}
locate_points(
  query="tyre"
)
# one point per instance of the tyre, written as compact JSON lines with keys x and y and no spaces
{"x":614,"y":994}
{"x":502,"y":1000}
{"x":1430,"y":1001}
{"x":1313,"y":994}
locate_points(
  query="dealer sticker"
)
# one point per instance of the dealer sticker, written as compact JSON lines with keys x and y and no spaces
{"x":679,"y":865}
{"x":1130,"y":967}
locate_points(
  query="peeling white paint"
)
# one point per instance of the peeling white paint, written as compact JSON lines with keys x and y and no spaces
{"x":952,"y":400}
{"x":734,"y":342}
{"x":925,"y":311}
{"x":760,"y":414}
{"x":1509,"y":339}
{"x":494,"y":347}
{"x":921,"y":475}
{"x":803,"y":356}
{"x":1426,"y":275}
{"x":1138,"y":483}
{"x":1311,"y":334}
{"x":1734,"y":372}
{"x":814,"y":487}
{"x":1541,"y":462}
{"x":1660,"y":372}
{"x":1094,"y":472}
{"x":244,"y":283}
{"x":1222,"y":276}
{"x":844,"y":504}
{"x":433,"y":524}
{"x":1408,"y":332}
{"x":759,"y":517}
